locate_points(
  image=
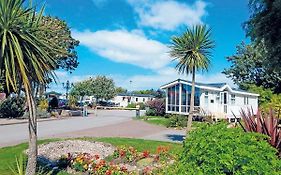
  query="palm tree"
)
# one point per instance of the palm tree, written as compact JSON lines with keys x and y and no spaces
{"x":24,"y":59}
{"x":192,"y":51}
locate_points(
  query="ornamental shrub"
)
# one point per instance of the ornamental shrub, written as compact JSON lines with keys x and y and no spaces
{"x":177,"y":121}
{"x":43,"y":104}
{"x":150,"y":112}
{"x":158,"y":106}
{"x":216,"y":149}
{"x":12,"y":107}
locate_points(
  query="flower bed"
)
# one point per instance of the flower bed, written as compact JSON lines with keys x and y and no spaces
{"x":125,"y":160}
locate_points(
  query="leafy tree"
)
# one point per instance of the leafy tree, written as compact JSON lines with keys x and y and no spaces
{"x":12,"y":107}
{"x":156,"y":93}
{"x":274,"y":104}
{"x":120,"y":90}
{"x":267,"y":99}
{"x":248,"y":67}
{"x":26,"y":58}
{"x":58,"y":33}
{"x":264,"y":25}
{"x":100,"y":87}
{"x":103,"y":88}
{"x":147,"y":92}
{"x":61,"y":37}
{"x":81,"y":89}
{"x":265,"y":94}
{"x":192,"y":51}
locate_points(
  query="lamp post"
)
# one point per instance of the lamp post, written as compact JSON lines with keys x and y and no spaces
{"x":67,"y":87}
{"x":131,"y":93}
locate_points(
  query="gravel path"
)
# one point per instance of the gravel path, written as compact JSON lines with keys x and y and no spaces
{"x":51,"y":152}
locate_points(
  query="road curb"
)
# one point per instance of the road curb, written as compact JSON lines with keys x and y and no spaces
{"x":22,"y":122}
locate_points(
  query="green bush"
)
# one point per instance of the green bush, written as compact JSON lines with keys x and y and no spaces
{"x":177,"y":121}
{"x":150,"y":112}
{"x":133,"y":105}
{"x":12,"y":107}
{"x":216,"y":149}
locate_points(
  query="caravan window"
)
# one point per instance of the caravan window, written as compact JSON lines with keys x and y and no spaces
{"x":206,"y":97}
{"x":232,"y":99}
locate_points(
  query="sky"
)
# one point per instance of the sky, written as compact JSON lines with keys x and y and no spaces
{"x":128,"y":40}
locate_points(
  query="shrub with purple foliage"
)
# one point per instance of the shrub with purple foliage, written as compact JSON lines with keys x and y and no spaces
{"x":156,"y":107}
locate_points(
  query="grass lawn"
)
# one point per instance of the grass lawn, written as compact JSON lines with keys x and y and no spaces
{"x":157,"y":120}
{"x":8,"y":154}
{"x":166,"y":121}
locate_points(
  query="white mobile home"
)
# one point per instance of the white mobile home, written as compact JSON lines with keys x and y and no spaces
{"x":124,"y":99}
{"x":217,"y":99}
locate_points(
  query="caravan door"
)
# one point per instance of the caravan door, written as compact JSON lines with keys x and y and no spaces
{"x":224,"y":101}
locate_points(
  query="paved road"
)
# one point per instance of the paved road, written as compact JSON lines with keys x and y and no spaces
{"x":102,"y":124}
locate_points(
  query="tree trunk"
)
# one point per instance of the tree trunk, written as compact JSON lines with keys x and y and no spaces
{"x":32,"y":126}
{"x":191,"y":109}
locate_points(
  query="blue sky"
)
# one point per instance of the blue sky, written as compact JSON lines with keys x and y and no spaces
{"x":127,"y":39}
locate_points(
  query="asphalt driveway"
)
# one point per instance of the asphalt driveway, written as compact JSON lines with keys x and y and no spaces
{"x":103,"y":123}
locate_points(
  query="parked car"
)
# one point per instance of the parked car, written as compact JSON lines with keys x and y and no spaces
{"x":106,"y":103}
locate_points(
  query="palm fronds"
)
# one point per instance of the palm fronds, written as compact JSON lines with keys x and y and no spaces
{"x":25,"y":54}
{"x":192,"y":49}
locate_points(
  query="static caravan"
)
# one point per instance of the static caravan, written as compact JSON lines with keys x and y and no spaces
{"x":216,"y":99}
{"x":123,"y":99}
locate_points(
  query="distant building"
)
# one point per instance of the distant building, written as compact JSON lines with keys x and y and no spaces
{"x":217,"y":99}
{"x":124,"y":99}
{"x":52,"y":94}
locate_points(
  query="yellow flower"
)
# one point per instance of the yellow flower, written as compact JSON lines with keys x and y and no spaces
{"x":85,"y":166}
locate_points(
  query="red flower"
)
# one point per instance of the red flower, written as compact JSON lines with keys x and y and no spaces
{"x":124,"y":169}
{"x":97,"y":157}
{"x":108,"y":172}
{"x":145,"y":154}
{"x":146,"y":170}
{"x":162,"y":149}
{"x":122,"y":153}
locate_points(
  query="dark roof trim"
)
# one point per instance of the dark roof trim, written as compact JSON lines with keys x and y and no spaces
{"x":216,"y":85}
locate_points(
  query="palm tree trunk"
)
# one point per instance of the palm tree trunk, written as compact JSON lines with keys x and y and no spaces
{"x":191,"y":110}
{"x":32,"y":126}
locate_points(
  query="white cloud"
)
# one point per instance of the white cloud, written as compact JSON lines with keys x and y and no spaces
{"x":123,"y":46}
{"x":168,"y":15}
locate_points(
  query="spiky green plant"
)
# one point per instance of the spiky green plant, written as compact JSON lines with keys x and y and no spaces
{"x":25,"y":59}
{"x":20,"y":166}
{"x":192,"y":51}
{"x":266,"y":124}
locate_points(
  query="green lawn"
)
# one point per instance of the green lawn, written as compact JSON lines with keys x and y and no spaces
{"x":157,"y":120}
{"x":166,"y":121}
{"x":8,"y":154}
